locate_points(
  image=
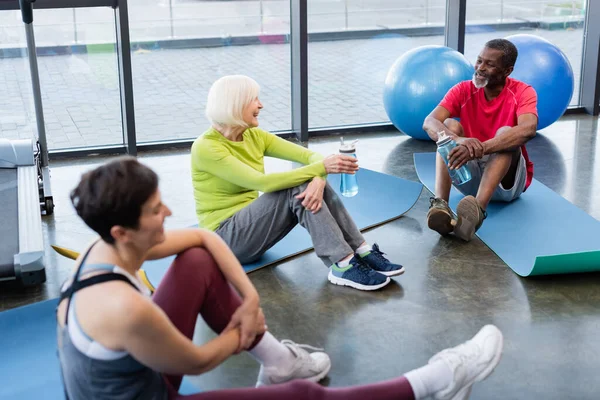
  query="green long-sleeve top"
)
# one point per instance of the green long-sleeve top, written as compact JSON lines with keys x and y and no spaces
{"x":227,"y":175}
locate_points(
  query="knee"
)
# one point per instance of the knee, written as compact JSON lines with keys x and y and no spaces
{"x":195,"y":255}
{"x":501,"y":131}
{"x":454,"y":126}
{"x":299,"y":189}
{"x":194,"y":262}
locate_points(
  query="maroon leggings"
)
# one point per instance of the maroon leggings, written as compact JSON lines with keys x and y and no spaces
{"x":194,"y":285}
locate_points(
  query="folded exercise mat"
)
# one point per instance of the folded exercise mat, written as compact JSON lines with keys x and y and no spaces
{"x":29,"y":367}
{"x":380,"y":199}
{"x":540,"y":233}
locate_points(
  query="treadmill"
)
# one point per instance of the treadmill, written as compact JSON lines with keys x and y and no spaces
{"x":25,"y":188}
{"x":22,"y":244}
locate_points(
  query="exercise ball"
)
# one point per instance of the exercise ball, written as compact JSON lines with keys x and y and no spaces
{"x":546,"y":68}
{"x":418,"y":81}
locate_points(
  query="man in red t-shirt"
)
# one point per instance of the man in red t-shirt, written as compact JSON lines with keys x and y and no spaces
{"x":498,"y":115}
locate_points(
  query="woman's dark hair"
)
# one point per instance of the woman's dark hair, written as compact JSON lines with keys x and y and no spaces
{"x":509,"y":50}
{"x":113,"y":194}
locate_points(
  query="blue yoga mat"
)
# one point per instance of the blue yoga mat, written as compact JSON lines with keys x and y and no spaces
{"x":381,"y":198}
{"x":540,"y":233}
{"x":29,"y":367}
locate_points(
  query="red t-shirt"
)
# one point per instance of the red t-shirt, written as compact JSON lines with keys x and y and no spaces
{"x":481,"y":118}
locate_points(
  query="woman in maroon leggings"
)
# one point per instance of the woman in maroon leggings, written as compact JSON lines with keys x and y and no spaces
{"x":117,"y":342}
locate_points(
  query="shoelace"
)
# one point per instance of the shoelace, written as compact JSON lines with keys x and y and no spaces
{"x":363,"y":266}
{"x":435,"y":202}
{"x":431,"y":201}
{"x":380,"y":254}
{"x":303,"y":347}
{"x":466,"y":352}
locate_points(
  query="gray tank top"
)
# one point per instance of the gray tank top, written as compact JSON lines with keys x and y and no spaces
{"x":90,"y":371}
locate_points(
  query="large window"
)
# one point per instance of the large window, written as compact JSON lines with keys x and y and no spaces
{"x":561,"y":23}
{"x":360,"y":15}
{"x":78,"y":76}
{"x":180,"y":47}
{"x":358,"y":43}
{"x":193,"y":43}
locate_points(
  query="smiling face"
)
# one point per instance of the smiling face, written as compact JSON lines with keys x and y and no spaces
{"x":150,"y":230}
{"x":489,"y":70}
{"x":251,"y":112}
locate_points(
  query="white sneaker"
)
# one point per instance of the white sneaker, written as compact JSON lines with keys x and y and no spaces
{"x":471,"y":362}
{"x":310,"y":366}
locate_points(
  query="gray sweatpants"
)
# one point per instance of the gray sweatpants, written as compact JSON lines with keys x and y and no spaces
{"x":255,"y":229}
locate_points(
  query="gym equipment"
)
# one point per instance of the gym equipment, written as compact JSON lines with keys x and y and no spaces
{"x":547,"y":69}
{"x":45,"y":189}
{"x":418,"y":81}
{"x":25,"y":187}
{"x":522,"y":234}
{"x":381,"y":198}
{"x":22,"y":245}
{"x":29,"y":365}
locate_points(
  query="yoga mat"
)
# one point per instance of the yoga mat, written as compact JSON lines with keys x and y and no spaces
{"x":29,"y":367}
{"x":540,"y":233}
{"x":380,"y":199}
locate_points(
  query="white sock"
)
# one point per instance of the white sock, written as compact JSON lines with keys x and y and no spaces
{"x":429,"y":379}
{"x":344,"y":263}
{"x":363,"y":249}
{"x":271,"y":352}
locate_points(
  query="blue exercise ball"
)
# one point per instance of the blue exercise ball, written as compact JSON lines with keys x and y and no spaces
{"x":546,"y":68}
{"x":418,"y":81}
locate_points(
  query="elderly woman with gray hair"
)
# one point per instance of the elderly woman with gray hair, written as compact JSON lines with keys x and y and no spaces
{"x":228,"y":172}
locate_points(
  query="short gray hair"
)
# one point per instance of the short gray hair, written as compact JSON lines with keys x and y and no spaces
{"x":227,"y":98}
{"x":508,"y":49}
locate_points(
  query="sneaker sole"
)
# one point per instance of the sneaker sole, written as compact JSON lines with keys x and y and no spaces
{"x":392,"y":273}
{"x":441,"y":222}
{"x":346,"y":282}
{"x":463,"y":394}
{"x":465,"y":229}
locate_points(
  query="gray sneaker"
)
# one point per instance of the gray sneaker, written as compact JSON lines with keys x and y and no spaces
{"x":470,"y":218}
{"x":309,"y":366}
{"x":439,"y":217}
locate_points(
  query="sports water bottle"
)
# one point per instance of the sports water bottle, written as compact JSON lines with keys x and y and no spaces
{"x":444,"y":145}
{"x":348,"y":183}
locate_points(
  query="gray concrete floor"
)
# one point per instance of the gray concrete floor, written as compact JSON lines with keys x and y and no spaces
{"x":449,"y":291}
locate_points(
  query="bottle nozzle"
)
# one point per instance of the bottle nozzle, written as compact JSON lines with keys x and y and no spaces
{"x":347,"y":147}
{"x":351,"y":144}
